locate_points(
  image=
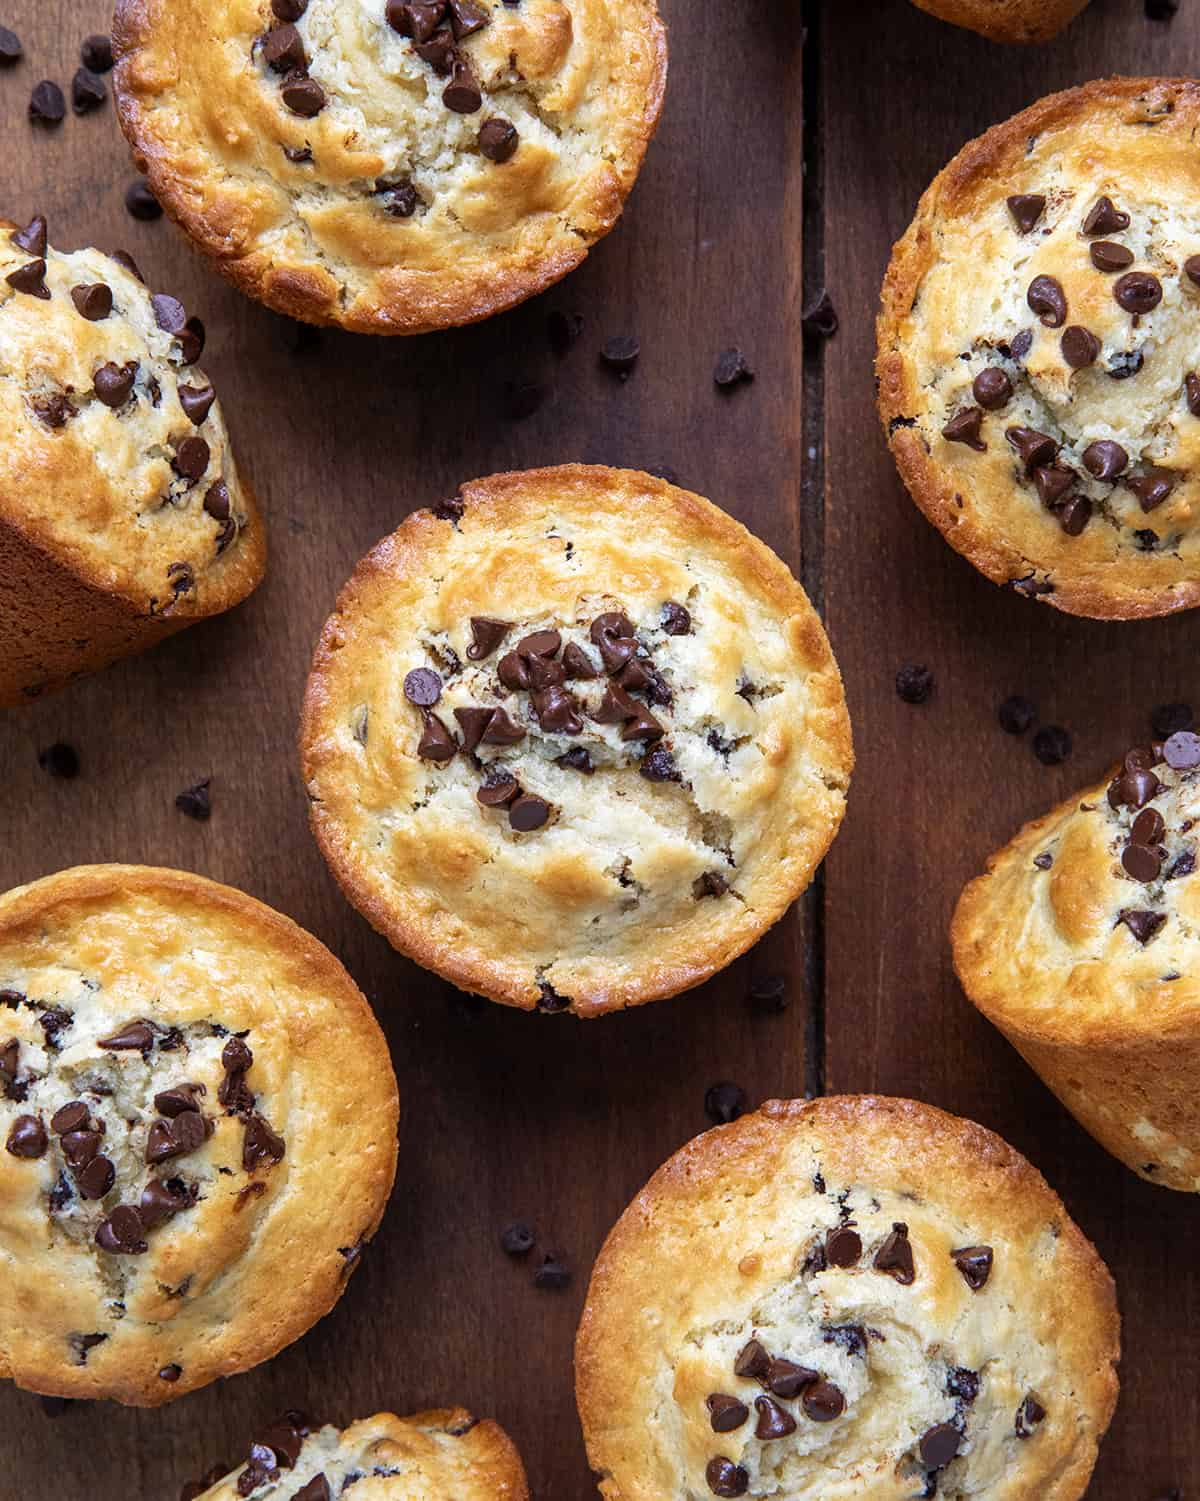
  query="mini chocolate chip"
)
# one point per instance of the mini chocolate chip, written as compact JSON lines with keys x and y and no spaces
{"x":819,"y":320}
{"x":1080,"y":347}
{"x":659,"y":766}
{"x":30,"y":279}
{"x":1107,"y":256}
{"x":773,"y":1420}
{"x":423,"y":687}
{"x":137,"y":1037}
{"x":46,"y":103}
{"x":122,"y":1233}
{"x":1052,"y":744}
{"x":895,"y":1256}
{"x":69,"y":1117}
{"x":914,"y":684}
{"x":95,"y":52}
{"x":1016,"y":715}
{"x":964,"y":427}
{"x":498,"y":788}
{"x":1104,"y":218}
{"x":27,"y":1137}
{"x":95,"y":1178}
{"x":60,"y":760}
{"x":732,"y":369}
{"x":1029,"y":1415}
{"x":527,"y":813}
{"x":196,"y":801}
{"x":1181,"y":751}
{"x":140,"y":202}
{"x":462,"y":94}
{"x":1026,"y":209}
{"x":498,"y":139}
{"x":1142,"y":923}
{"x":196,"y":402}
{"x":1104,"y":459}
{"x":87,"y":92}
{"x":1151,"y":488}
{"x":992,"y":388}
{"x":725,"y":1413}
{"x":843,"y":1246}
{"x":1048,"y":300}
{"x":1032,"y":447}
{"x":516,"y":1239}
{"x":939,"y":1445}
{"x":975,"y":1265}
{"x":11,"y":50}
{"x":620,"y":354}
{"x":1138,"y":292}
{"x":724,"y":1102}
{"x":303,"y":96}
{"x":725,"y":1478}
{"x":823,"y":1402}
{"x":283,"y":49}
{"x":93,"y":301}
{"x":552,"y":1275}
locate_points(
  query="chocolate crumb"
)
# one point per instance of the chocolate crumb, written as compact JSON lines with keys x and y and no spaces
{"x":196,"y":801}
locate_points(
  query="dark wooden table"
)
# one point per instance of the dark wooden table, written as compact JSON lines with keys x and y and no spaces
{"x":796,"y":140}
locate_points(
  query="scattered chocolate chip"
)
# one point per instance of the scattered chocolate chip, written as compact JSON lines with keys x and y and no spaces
{"x":438,"y":51}
{"x":1026,"y":209}
{"x":216,"y":500}
{"x":752,"y":1361}
{"x":732,"y":369}
{"x":1146,"y":539}
{"x":122,"y":1233}
{"x":895,"y":1256}
{"x":72,"y":1116}
{"x":177,"y":1100}
{"x":46,"y":103}
{"x":288,"y":10}
{"x":552,"y":1275}
{"x":1021,"y":344}
{"x":137,"y":1037}
{"x":498,"y":787}
{"x":1080,"y":347}
{"x":577,"y":664}
{"x":819,"y":320}
{"x":113,"y":383}
{"x":303,"y":96}
{"x":260,"y":1144}
{"x":975,"y":1264}
{"x":992,"y":388}
{"x":620,"y":354}
{"x":1151,"y":488}
{"x":576,"y":759}
{"x":498,"y":139}
{"x":1016,"y":715}
{"x":93,"y":301}
{"x":787,"y":1379}
{"x":95,"y":1178}
{"x":1142,"y":923}
{"x":725,"y":1478}
{"x":516,"y":1239}
{"x":298,"y":155}
{"x":1138,"y":292}
{"x":11,"y":50}
{"x":1104,"y":218}
{"x":1105,"y":460}
{"x":711,"y":883}
{"x":963,"y":1384}
{"x":527,"y":813}
{"x":191,"y":341}
{"x":196,"y":401}
{"x":939,"y":1445}
{"x":502,"y":730}
{"x":87,"y":92}
{"x":1107,"y":256}
{"x":191,"y":459}
{"x":659,"y":766}
{"x":1074,"y":514}
{"x":964,"y":427}
{"x":123,"y":258}
{"x":563,"y":331}
{"x":914,"y":684}
{"x":1048,"y":300}
{"x":161,"y":1199}
{"x":96,"y":54}
{"x":1052,"y":482}
{"x":1192,"y":269}
{"x":1052,"y":744}
{"x":30,"y":279}
{"x":823,"y":1402}
{"x":1033,"y":448}
{"x":53,"y":409}
{"x":423,"y":687}
{"x":283,"y":50}
{"x":60,"y":760}
{"x":27,"y":1137}
{"x":773,"y":1420}
{"x":725,"y":1413}
{"x":32,"y":239}
{"x":724,"y":1102}
{"x":674,"y":619}
{"x":317,"y":1489}
{"x":1029,"y":1415}
{"x":1141,"y":863}
{"x":462,"y":94}
{"x":487,"y":634}
{"x":80,"y":1147}
{"x":170,"y":1372}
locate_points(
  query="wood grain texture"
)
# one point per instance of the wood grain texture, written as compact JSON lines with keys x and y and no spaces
{"x":940,"y":786}
{"x":505,"y":1115}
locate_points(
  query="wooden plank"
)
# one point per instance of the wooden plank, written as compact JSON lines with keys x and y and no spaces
{"x":505,"y":1115}
{"x":939,"y":786}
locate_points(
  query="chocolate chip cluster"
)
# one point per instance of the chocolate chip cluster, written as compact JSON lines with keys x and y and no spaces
{"x":821,"y":1401}
{"x":278,"y":1449}
{"x":435,"y":28}
{"x":541,"y":666}
{"x":114,"y":385}
{"x":1136,"y":292}
{"x":1144,"y":855}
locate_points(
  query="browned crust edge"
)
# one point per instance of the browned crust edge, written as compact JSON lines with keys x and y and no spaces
{"x":912,"y":256}
{"x":1017,"y":24}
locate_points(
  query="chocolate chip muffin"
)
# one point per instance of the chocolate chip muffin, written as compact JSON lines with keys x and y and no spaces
{"x":198,"y":1118}
{"x":434,"y":1456}
{"x":574,"y":739}
{"x":849,"y":1299}
{"x":122,"y":514}
{"x":1078,"y":943}
{"x":1007,"y":20}
{"x":1039,"y":371}
{"x":393,"y":166}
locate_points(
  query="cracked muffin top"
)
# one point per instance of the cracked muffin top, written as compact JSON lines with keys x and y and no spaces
{"x":198,"y":1117}
{"x":574,"y":739}
{"x":116,"y":460}
{"x":1007,"y":20}
{"x":1039,"y":351}
{"x":434,"y":1456}
{"x":392,"y":166}
{"x":843,"y":1299}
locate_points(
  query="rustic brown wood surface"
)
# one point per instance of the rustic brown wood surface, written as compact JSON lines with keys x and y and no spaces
{"x":511,"y":1116}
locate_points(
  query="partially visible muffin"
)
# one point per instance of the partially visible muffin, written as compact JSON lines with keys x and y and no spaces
{"x":435,"y":1456}
{"x":846,"y":1299}
{"x":197,"y":1133}
{"x":1039,"y":350}
{"x":574,"y":739}
{"x":1007,"y":20}
{"x":1080,"y":943}
{"x":388,"y":166}
{"x":122,"y":514}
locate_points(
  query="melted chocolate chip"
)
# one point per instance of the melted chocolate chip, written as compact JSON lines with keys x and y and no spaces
{"x":752,"y":1362}
{"x":1026,"y":209}
{"x":1104,"y":459}
{"x":992,"y":388}
{"x":303,"y":96}
{"x":1138,"y":292}
{"x":26,"y":1137}
{"x":895,"y":1256}
{"x":96,"y":1178}
{"x":787,"y":1379}
{"x":975,"y":1265}
{"x":487,"y":634}
{"x":122,"y":1233}
{"x":30,"y":279}
{"x":823,"y":1402}
{"x":33,"y":238}
{"x":1048,"y":300}
{"x":725,"y":1478}
{"x":1104,"y":218}
{"x":773,"y":1421}
{"x":136,"y":1037}
{"x":725,"y":1413}
{"x":1030,"y":1415}
{"x":939,"y":1445}
{"x":1109,"y":257}
{"x":965,"y":427}
{"x":260,"y":1144}
{"x":843,"y":1246}
{"x":1032,"y":447}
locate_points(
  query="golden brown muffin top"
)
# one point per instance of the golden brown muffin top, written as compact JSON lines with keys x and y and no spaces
{"x":1007,"y":20}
